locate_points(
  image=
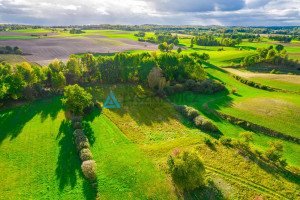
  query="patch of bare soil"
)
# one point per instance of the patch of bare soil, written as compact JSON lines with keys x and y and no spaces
{"x":279,"y":77}
{"x":284,"y":44}
{"x":27,"y":34}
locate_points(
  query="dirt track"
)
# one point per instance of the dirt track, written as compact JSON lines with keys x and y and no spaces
{"x":45,"y":50}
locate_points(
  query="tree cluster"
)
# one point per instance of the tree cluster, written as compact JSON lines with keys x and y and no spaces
{"x":10,"y":50}
{"x":76,"y":31}
{"x":281,"y":38}
{"x":277,"y":56}
{"x":30,"y":81}
{"x":210,"y":40}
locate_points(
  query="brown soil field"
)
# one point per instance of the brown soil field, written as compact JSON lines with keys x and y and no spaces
{"x":279,"y":77}
{"x":27,"y":34}
{"x":284,"y":44}
{"x":45,"y":50}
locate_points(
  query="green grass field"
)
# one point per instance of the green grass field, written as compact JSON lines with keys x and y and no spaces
{"x":14,"y":37}
{"x":278,"y":84}
{"x":157,"y":129}
{"x":37,"y":156}
{"x":124,"y":172}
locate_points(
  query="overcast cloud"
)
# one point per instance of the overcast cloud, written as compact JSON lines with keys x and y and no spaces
{"x":174,"y":12}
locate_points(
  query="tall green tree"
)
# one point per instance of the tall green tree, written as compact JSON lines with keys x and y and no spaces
{"x":76,"y":98}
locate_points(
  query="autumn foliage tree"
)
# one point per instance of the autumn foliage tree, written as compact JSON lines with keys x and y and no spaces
{"x":76,"y":98}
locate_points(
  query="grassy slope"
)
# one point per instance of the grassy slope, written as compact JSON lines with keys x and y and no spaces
{"x":263,"y":116}
{"x":13,"y":59}
{"x":278,"y":84}
{"x":157,"y":129}
{"x":37,"y":155}
{"x":124,"y":172}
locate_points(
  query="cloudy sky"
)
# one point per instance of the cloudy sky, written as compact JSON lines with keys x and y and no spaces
{"x":174,"y":12}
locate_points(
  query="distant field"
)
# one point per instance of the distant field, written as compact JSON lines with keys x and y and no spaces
{"x":12,"y":58}
{"x":285,"y":121}
{"x":294,"y":56}
{"x":15,"y":37}
{"x":32,"y":30}
{"x":293,"y":79}
{"x":45,"y":50}
{"x":278,"y":84}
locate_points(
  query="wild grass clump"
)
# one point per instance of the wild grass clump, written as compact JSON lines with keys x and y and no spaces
{"x":89,"y":169}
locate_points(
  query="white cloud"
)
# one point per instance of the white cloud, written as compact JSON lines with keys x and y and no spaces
{"x":190,"y":12}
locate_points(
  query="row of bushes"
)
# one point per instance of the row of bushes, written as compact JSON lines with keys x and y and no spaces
{"x":199,"y":121}
{"x":258,"y":85}
{"x":208,"y":86}
{"x":88,"y":165}
{"x":254,"y":127}
{"x":251,"y":83}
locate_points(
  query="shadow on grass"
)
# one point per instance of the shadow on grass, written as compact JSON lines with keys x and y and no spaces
{"x":86,"y":126}
{"x":12,"y":121}
{"x":209,"y":192}
{"x":274,"y":169}
{"x":69,"y":163}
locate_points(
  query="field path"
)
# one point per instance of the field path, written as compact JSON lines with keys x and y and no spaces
{"x":246,"y":182}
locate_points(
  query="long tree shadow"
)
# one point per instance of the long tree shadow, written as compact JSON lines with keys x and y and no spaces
{"x":274,"y":169}
{"x":68,"y":163}
{"x":12,"y":121}
{"x":210,"y":191}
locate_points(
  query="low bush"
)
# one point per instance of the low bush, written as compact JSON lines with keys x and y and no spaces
{"x":208,"y":86}
{"x":85,"y":154}
{"x":77,"y":133}
{"x":226,"y":141}
{"x":89,"y":169}
{"x":189,"y":84}
{"x":89,"y":109}
{"x":76,"y":119}
{"x":77,"y":125}
{"x":205,"y":124}
{"x":187,"y":170}
{"x":174,"y":89}
{"x":191,"y":113}
{"x":188,"y":112}
{"x":81,"y":142}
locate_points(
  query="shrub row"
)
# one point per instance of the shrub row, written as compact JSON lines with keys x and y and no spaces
{"x":254,"y":127}
{"x":88,"y":165}
{"x":199,"y":121}
{"x":209,"y":86}
{"x":251,"y":83}
{"x":260,"y":86}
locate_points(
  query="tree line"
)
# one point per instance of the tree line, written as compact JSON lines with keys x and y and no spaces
{"x":276,"y":56}
{"x":25,"y":81}
{"x":210,"y":40}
